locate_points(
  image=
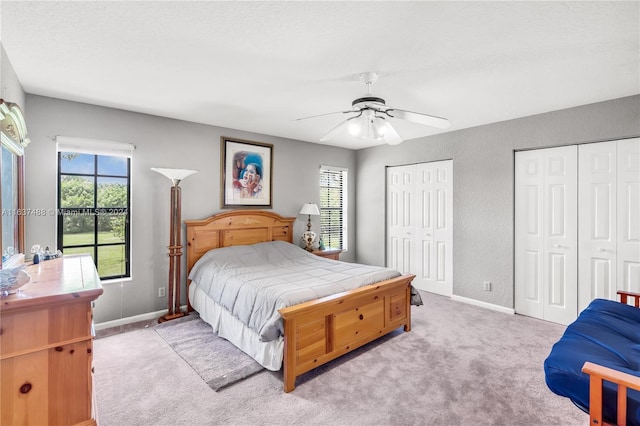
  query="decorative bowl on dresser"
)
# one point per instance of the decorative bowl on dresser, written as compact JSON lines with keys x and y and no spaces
{"x":46,"y":344}
{"x":11,"y":279}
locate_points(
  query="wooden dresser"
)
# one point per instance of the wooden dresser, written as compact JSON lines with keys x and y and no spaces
{"x":46,"y":344}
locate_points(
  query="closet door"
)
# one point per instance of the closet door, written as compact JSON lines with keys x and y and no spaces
{"x":609,"y":219}
{"x":597,"y":222}
{"x":400,"y":199}
{"x":546,"y":234}
{"x":628,"y":232}
{"x":529,"y":236}
{"x":420,"y":224}
{"x":433,"y":231}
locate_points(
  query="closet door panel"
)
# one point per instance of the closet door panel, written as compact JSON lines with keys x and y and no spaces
{"x":442,"y":231}
{"x":628,"y":232}
{"x":560,"y":234}
{"x":529,"y":182}
{"x":399,"y":220}
{"x":546,"y":234}
{"x":597,"y":222}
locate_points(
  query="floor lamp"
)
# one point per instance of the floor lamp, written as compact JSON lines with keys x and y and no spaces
{"x":175,"y":242}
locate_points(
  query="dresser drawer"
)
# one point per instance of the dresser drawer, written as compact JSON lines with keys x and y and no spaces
{"x":23,"y":331}
{"x":35,"y":386}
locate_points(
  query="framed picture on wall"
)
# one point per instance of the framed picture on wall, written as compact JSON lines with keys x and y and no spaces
{"x":247,"y":173}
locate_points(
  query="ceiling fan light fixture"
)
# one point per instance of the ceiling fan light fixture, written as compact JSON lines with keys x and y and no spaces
{"x":379,"y":127}
{"x":358,"y":127}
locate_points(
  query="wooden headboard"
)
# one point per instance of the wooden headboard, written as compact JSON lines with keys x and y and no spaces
{"x":234,"y":228}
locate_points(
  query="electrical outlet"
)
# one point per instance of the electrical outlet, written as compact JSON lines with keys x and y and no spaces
{"x":487,"y":285}
{"x":161,"y":291}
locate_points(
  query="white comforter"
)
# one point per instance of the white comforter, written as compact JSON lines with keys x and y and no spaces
{"x":253,"y":282}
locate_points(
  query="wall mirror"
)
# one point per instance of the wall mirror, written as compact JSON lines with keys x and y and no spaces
{"x":13,"y":135}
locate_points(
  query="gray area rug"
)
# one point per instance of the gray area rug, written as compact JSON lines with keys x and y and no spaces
{"x":215,"y":359}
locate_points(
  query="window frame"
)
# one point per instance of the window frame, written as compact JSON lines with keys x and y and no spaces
{"x":13,"y":137}
{"x":343,"y":208}
{"x":95,"y":211}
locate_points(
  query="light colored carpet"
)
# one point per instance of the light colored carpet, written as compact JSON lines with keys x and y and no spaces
{"x":215,"y":359}
{"x":460,"y":365}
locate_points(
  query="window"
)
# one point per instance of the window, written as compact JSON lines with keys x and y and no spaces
{"x":333,"y":206}
{"x":94,"y":193}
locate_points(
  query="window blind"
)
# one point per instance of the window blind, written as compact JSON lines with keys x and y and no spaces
{"x":94,"y":146}
{"x":333,"y":204}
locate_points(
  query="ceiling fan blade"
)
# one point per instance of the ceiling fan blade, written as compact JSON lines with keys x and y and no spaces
{"x":391,"y":136}
{"x":337,"y":130}
{"x":322,"y":115}
{"x":418,"y":117}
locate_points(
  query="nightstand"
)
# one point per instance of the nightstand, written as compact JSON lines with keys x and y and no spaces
{"x":329,"y":253}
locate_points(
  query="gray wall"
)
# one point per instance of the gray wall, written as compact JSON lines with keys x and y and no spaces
{"x":10,"y":87}
{"x":483,"y":175}
{"x":162,"y":142}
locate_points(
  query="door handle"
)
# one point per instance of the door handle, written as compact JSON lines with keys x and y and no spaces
{"x":557,"y":246}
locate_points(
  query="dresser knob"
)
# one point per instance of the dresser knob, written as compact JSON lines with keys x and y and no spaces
{"x":58,"y":348}
{"x":361,"y":317}
{"x":25,"y":388}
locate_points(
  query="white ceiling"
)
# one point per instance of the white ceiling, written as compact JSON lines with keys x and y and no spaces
{"x":257,"y":66}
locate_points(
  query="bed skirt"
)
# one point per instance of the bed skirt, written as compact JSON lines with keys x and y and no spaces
{"x":268,"y":354}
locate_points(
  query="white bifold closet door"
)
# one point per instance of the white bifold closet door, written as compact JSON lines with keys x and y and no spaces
{"x":577,"y":227}
{"x":609,"y":220}
{"x":546,"y":234}
{"x":420,"y":224}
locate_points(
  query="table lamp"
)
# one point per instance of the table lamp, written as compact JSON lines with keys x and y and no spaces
{"x":309,"y":236}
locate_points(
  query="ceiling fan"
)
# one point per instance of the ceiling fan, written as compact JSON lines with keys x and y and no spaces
{"x":371,"y":119}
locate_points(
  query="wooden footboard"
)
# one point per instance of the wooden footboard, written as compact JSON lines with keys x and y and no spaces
{"x":321,"y":330}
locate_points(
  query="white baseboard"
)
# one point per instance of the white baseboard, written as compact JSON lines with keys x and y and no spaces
{"x":135,"y":318}
{"x":485,"y":305}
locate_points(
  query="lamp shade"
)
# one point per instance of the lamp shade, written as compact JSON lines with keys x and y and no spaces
{"x":310,"y":208}
{"x":175,"y":174}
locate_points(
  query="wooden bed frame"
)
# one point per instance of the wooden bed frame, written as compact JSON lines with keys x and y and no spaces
{"x":320,"y":330}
